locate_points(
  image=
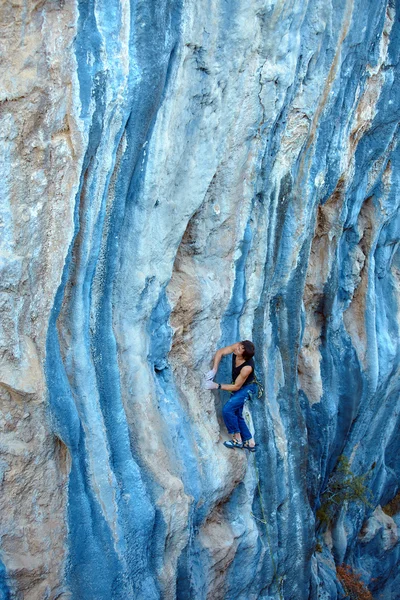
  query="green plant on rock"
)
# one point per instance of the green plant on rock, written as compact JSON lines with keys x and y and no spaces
{"x":343,"y":486}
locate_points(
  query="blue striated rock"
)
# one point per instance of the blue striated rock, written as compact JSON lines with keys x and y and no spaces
{"x":198,"y":173}
{"x":4,"y":590}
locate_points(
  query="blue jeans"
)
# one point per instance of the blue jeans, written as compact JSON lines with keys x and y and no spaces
{"x":233,"y":411}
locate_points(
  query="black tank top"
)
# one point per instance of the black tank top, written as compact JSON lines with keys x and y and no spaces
{"x":236,"y":370}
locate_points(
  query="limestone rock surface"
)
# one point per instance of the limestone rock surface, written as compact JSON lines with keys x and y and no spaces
{"x":177,"y":176}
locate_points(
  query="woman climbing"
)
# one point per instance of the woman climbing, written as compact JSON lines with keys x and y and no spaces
{"x":244,"y":384}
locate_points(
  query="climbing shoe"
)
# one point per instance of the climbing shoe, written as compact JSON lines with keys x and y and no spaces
{"x":249,"y":448}
{"x":233,"y":444}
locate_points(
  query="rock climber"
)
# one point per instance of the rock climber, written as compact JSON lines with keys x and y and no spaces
{"x":244,"y":384}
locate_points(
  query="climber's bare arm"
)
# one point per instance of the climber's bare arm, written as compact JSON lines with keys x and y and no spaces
{"x":223,"y":352}
{"x":239,"y":381}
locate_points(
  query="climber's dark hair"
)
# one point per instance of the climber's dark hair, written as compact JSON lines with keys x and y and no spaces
{"x":249,"y":349}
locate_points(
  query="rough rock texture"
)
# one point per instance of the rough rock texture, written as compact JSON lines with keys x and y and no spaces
{"x":179,"y":175}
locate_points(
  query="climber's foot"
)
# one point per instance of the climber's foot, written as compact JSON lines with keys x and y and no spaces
{"x":233,"y":444}
{"x":250,"y":448}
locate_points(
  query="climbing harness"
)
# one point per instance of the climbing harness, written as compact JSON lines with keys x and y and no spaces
{"x":260,"y":390}
{"x":260,"y":387}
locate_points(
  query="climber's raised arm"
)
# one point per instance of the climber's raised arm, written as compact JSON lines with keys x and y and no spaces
{"x":217,"y":359}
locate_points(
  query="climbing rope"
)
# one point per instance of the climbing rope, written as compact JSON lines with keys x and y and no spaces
{"x":275,"y":577}
{"x":279,"y":580}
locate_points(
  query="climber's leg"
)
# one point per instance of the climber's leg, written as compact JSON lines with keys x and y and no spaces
{"x":231,"y":420}
{"x":232,"y":414}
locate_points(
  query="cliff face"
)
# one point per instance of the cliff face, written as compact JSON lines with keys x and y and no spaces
{"x":179,"y":176}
